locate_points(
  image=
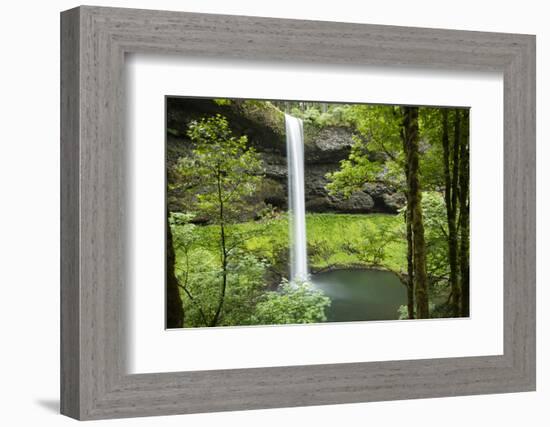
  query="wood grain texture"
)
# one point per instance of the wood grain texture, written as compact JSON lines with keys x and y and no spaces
{"x":94,"y":271}
{"x":70,"y":291}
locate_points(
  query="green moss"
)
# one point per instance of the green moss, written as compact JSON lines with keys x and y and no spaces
{"x":264,"y":112}
{"x":328,"y":235}
{"x":222,"y":101}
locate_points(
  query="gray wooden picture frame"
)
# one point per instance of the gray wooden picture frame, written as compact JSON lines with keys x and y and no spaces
{"x":94,"y":382}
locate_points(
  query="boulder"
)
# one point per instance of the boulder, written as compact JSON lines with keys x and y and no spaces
{"x":328,"y":145}
{"x":358,"y":202}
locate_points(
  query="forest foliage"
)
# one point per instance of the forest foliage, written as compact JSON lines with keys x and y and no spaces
{"x":229,"y":269}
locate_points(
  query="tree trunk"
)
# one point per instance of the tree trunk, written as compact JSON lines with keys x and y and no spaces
{"x":451,"y":183}
{"x":174,"y":304}
{"x":455,"y":301}
{"x":410,"y":130}
{"x":464,"y":183}
{"x":223,"y":255}
{"x":410,"y":267}
{"x":409,"y":234}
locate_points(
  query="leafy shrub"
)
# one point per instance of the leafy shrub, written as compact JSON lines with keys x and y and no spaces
{"x":292,"y":303}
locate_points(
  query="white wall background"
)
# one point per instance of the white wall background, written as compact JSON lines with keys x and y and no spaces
{"x":29,"y":213}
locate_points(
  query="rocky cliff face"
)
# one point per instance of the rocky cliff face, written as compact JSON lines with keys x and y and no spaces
{"x":324,"y":149}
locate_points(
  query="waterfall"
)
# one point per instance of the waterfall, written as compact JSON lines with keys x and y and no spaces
{"x":296,"y":199}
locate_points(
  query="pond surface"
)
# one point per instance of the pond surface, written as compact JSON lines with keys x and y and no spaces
{"x":358,"y":295}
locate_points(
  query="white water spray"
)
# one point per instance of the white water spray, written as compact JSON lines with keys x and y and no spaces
{"x":296,"y":199}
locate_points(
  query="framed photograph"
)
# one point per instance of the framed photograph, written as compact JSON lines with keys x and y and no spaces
{"x":262,"y":213}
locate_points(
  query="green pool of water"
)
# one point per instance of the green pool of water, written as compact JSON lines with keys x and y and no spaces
{"x":359,"y":295}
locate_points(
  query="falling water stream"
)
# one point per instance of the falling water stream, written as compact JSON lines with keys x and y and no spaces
{"x":296,"y":197}
{"x":356,"y":295}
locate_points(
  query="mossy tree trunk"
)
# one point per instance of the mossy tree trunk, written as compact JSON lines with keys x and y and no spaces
{"x":408,"y":227}
{"x":420,"y":279}
{"x":450,"y":167}
{"x":174,"y":304}
{"x":455,"y":289}
{"x":464,"y":216}
{"x":410,"y":268}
